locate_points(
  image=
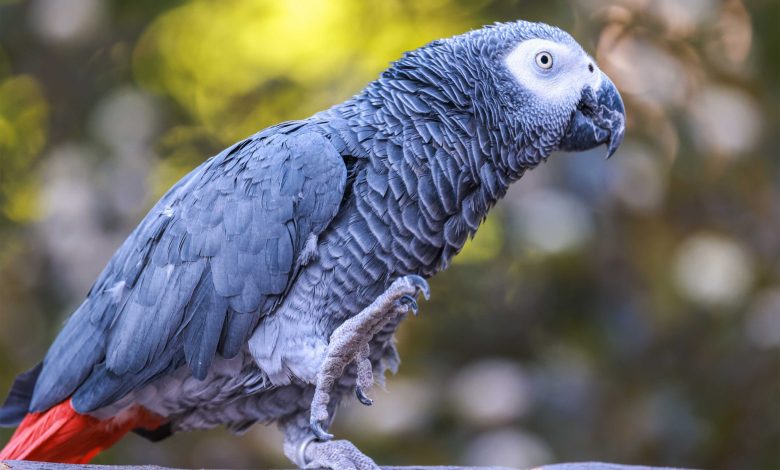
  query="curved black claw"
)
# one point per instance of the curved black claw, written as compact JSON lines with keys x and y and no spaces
{"x":362,"y":397}
{"x":410,"y":302}
{"x":319,"y":431}
{"x":421,"y":285}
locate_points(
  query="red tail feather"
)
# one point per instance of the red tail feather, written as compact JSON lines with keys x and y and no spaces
{"x":63,"y":435}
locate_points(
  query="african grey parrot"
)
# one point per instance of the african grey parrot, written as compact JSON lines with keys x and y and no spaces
{"x":266,"y":285}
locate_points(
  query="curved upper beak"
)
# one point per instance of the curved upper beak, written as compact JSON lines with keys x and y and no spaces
{"x":600,"y":118}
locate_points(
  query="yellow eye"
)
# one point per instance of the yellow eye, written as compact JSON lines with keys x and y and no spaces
{"x":544,"y":60}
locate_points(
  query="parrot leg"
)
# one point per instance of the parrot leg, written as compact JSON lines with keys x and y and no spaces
{"x":303,"y":448}
{"x":349,"y":343}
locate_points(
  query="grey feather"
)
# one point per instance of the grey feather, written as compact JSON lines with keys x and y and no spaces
{"x":217,"y":306}
{"x":190,"y":270}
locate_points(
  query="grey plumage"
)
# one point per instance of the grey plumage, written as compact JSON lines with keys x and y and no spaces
{"x":218,"y":308}
{"x":213,"y":256}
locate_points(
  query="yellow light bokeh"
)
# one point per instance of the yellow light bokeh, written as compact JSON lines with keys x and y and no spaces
{"x":242,"y":65}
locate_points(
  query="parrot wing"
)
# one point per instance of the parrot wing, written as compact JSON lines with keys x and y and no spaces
{"x":193,"y":280}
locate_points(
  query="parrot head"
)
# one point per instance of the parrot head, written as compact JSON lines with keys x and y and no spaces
{"x":530,"y":82}
{"x":556,"y":78}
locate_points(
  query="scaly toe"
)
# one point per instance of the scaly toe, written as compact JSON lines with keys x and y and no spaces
{"x":338,"y":455}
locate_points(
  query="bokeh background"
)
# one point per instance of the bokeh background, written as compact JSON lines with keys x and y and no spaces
{"x":624,"y":310}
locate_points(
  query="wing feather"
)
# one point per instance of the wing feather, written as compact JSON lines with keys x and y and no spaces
{"x":200,"y":271}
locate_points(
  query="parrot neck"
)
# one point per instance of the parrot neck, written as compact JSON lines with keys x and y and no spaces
{"x":452,"y":106}
{"x":460,"y":159}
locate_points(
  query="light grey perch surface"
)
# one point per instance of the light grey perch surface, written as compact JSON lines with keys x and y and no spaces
{"x":27,"y":465}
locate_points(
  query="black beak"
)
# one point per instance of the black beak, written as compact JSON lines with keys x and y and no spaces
{"x":600,"y":118}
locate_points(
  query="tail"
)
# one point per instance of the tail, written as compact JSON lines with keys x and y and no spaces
{"x":61,"y":434}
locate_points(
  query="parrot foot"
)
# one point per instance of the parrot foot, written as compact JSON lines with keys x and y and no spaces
{"x":335,"y":455}
{"x":350,"y":343}
{"x":365,"y":375}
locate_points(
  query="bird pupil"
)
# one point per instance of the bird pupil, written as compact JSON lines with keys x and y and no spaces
{"x":590,"y":67}
{"x":545,"y":59}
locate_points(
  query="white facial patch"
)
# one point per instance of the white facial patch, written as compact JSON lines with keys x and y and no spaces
{"x":562,"y":82}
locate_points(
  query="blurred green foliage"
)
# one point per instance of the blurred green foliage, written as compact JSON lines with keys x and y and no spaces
{"x":23,"y":124}
{"x":626,"y":310}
